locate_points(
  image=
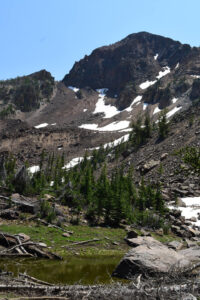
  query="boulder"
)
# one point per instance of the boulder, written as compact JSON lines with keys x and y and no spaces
{"x":180,"y":202}
{"x":142,"y":240}
{"x":152,"y":258}
{"x":175,"y":229}
{"x":132,"y":234}
{"x":180,"y":192}
{"x":175,"y":213}
{"x":25,"y":205}
{"x":149,"y":165}
{"x":66,"y":234}
{"x":145,"y":233}
{"x":9,"y":214}
{"x":175,"y":245}
{"x":193,"y":219}
{"x":192,"y":253}
{"x":190,"y":243}
{"x":163,"y":156}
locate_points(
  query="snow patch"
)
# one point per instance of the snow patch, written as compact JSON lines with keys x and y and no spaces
{"x":177,"y":66}
{"x":53,"y":124}
{"x":136,"y":100}
{"x":75,"y":161}
{"x":34,"y":169}
{"x":89,"y":126}
{"x":75,"y":89}
{"x":148,"y":83}
{"x":163,"y":73}
{"x":85,"y":109}
{"x":156,"y":110}
{"x":192,"y":208}
{"x":41,"y":125}
{"x":174,"y":100}
{"x":126,"y":130}
{"x":173,"y":111}
{"x":108,"y":110}
{"x":115,"y":126}
{"x":156,"y":56}
{"x":145,"y":106}
{"x":195,"y":76}
{"x":116,"y":142}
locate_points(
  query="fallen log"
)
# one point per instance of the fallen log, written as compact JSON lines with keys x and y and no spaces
{"x":40,"y":298}
{"x":115,"y":291}
{"x":13,"y":243}
{"x":16,"y":255}
{"x":51,"y":225}
{"x":35,"y":280}
{"x":14,"y":247}
{"x":83,"y":242}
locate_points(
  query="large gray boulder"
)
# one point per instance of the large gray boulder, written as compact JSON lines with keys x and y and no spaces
{"x":149,"y":165}
{"x":153,"y":258}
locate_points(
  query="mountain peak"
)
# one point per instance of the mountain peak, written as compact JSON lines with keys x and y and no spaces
{"x":129,"y":60}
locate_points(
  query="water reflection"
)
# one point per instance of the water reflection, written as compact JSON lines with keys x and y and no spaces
{"x":72,"y":270}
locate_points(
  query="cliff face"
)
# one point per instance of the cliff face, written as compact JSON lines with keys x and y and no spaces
{"x":136,"y":58}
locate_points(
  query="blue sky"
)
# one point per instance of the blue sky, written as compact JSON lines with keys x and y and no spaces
{"x":53,"y":34}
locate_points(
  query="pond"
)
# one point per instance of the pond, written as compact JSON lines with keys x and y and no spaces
{"x":71,"y":270}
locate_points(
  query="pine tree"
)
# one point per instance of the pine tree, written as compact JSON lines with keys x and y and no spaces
{"x":147,"y":126}
{"x":163,"y":125}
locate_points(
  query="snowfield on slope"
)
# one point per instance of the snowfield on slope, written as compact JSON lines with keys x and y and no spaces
{"x":41,"y":125}
{"x":136,"y":100}
{"x":75,"y":161}
{"x":114,"y":126}
{"x":148,"y":83}
{"x":108,"y":110}
{"x":192,"y":208}
{"x":173,"y":111}
{"x":156,"y":110}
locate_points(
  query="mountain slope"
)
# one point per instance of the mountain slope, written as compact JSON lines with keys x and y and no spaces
{"x":97,"y":101}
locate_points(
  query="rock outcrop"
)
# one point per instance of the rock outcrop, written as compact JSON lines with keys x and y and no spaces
{"x":151,"y":257}
{"x":126,"y":61}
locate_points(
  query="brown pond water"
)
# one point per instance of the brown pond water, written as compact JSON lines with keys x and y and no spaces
{"x":71,"y":270}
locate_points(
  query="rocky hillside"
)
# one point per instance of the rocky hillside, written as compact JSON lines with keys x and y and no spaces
{"x":97,"y":101}
{"x":27,"y":92}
